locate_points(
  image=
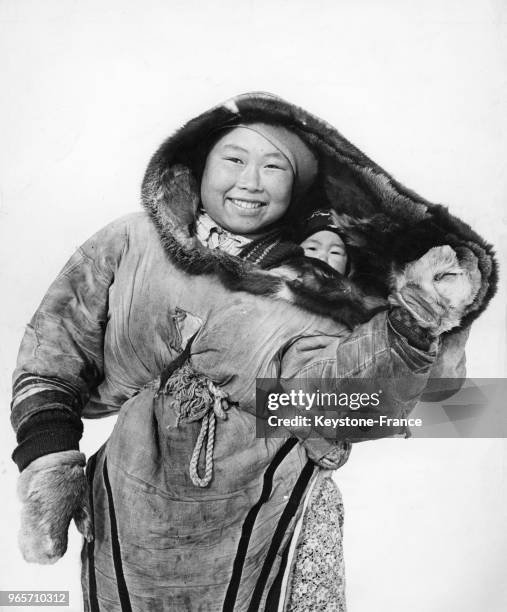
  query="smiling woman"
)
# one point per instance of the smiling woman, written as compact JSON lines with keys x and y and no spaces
{"x":154,"y":320}
{"x":251,"y":175}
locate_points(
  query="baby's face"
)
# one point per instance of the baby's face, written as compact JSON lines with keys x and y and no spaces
{"x":327,"y":246}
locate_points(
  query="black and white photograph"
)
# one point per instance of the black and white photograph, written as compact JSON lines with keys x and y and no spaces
{"x":254,"y":317}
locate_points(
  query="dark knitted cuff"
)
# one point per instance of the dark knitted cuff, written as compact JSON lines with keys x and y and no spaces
{"x":50,"y":431}
{"x":404,"y":324}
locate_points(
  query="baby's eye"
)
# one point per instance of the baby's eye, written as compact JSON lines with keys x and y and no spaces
{"x":310,"y":248}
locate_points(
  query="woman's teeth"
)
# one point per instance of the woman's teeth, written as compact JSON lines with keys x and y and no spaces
{"x":249,"y":204}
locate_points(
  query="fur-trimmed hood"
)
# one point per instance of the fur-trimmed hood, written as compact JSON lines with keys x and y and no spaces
{"x":384,"y":224}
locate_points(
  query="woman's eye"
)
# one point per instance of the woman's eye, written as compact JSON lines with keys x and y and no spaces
{"x":234,"y":160}
{"x":274,"y":167}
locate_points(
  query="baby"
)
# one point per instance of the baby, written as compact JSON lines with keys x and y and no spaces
{"x":320,"y":239}
{"x":324,"y":268}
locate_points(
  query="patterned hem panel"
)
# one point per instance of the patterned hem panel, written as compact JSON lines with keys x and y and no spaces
{"x":318,"y":576}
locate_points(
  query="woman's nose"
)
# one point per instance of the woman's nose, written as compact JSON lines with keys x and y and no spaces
{"x":250,"y":178}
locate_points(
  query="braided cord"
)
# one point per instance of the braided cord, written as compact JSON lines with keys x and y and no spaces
{"x":196,"y":398}
{"x":207,"y":430}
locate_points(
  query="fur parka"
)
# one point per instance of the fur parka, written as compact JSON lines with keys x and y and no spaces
{"x":384,"y":224}
{"x":127,"y":305}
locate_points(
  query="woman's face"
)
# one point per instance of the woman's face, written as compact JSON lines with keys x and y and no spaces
{"x":247,"y":182}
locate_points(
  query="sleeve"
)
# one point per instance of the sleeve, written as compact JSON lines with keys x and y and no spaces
{"x":375,"y":352}
{"x":448,"y":372}
{"x":61,"y":355}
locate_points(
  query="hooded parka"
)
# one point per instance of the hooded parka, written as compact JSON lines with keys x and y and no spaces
{"x":143,"y":292}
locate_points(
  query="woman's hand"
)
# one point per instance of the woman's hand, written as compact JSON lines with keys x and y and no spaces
{"x":437,"y":288}
{"x":53,"y":491}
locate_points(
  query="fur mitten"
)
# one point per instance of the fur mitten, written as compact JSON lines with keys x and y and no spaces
{"x":53,"y":490}
{"x":437,"y":288}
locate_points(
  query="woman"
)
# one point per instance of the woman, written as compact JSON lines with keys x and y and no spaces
{"x":151,"y":288}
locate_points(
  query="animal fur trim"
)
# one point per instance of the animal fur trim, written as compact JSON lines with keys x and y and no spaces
{"x":389,"y":225}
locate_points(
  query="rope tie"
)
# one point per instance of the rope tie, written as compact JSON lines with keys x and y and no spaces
{"x":196,"y":397}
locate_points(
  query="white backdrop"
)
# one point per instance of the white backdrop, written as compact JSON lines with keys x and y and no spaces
{"x":89,"y":89}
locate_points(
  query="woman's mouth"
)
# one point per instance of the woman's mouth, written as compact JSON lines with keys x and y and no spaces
{"x":247,"y":204}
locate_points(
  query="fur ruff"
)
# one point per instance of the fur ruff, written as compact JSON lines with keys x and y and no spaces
{"x":385,"y":225}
